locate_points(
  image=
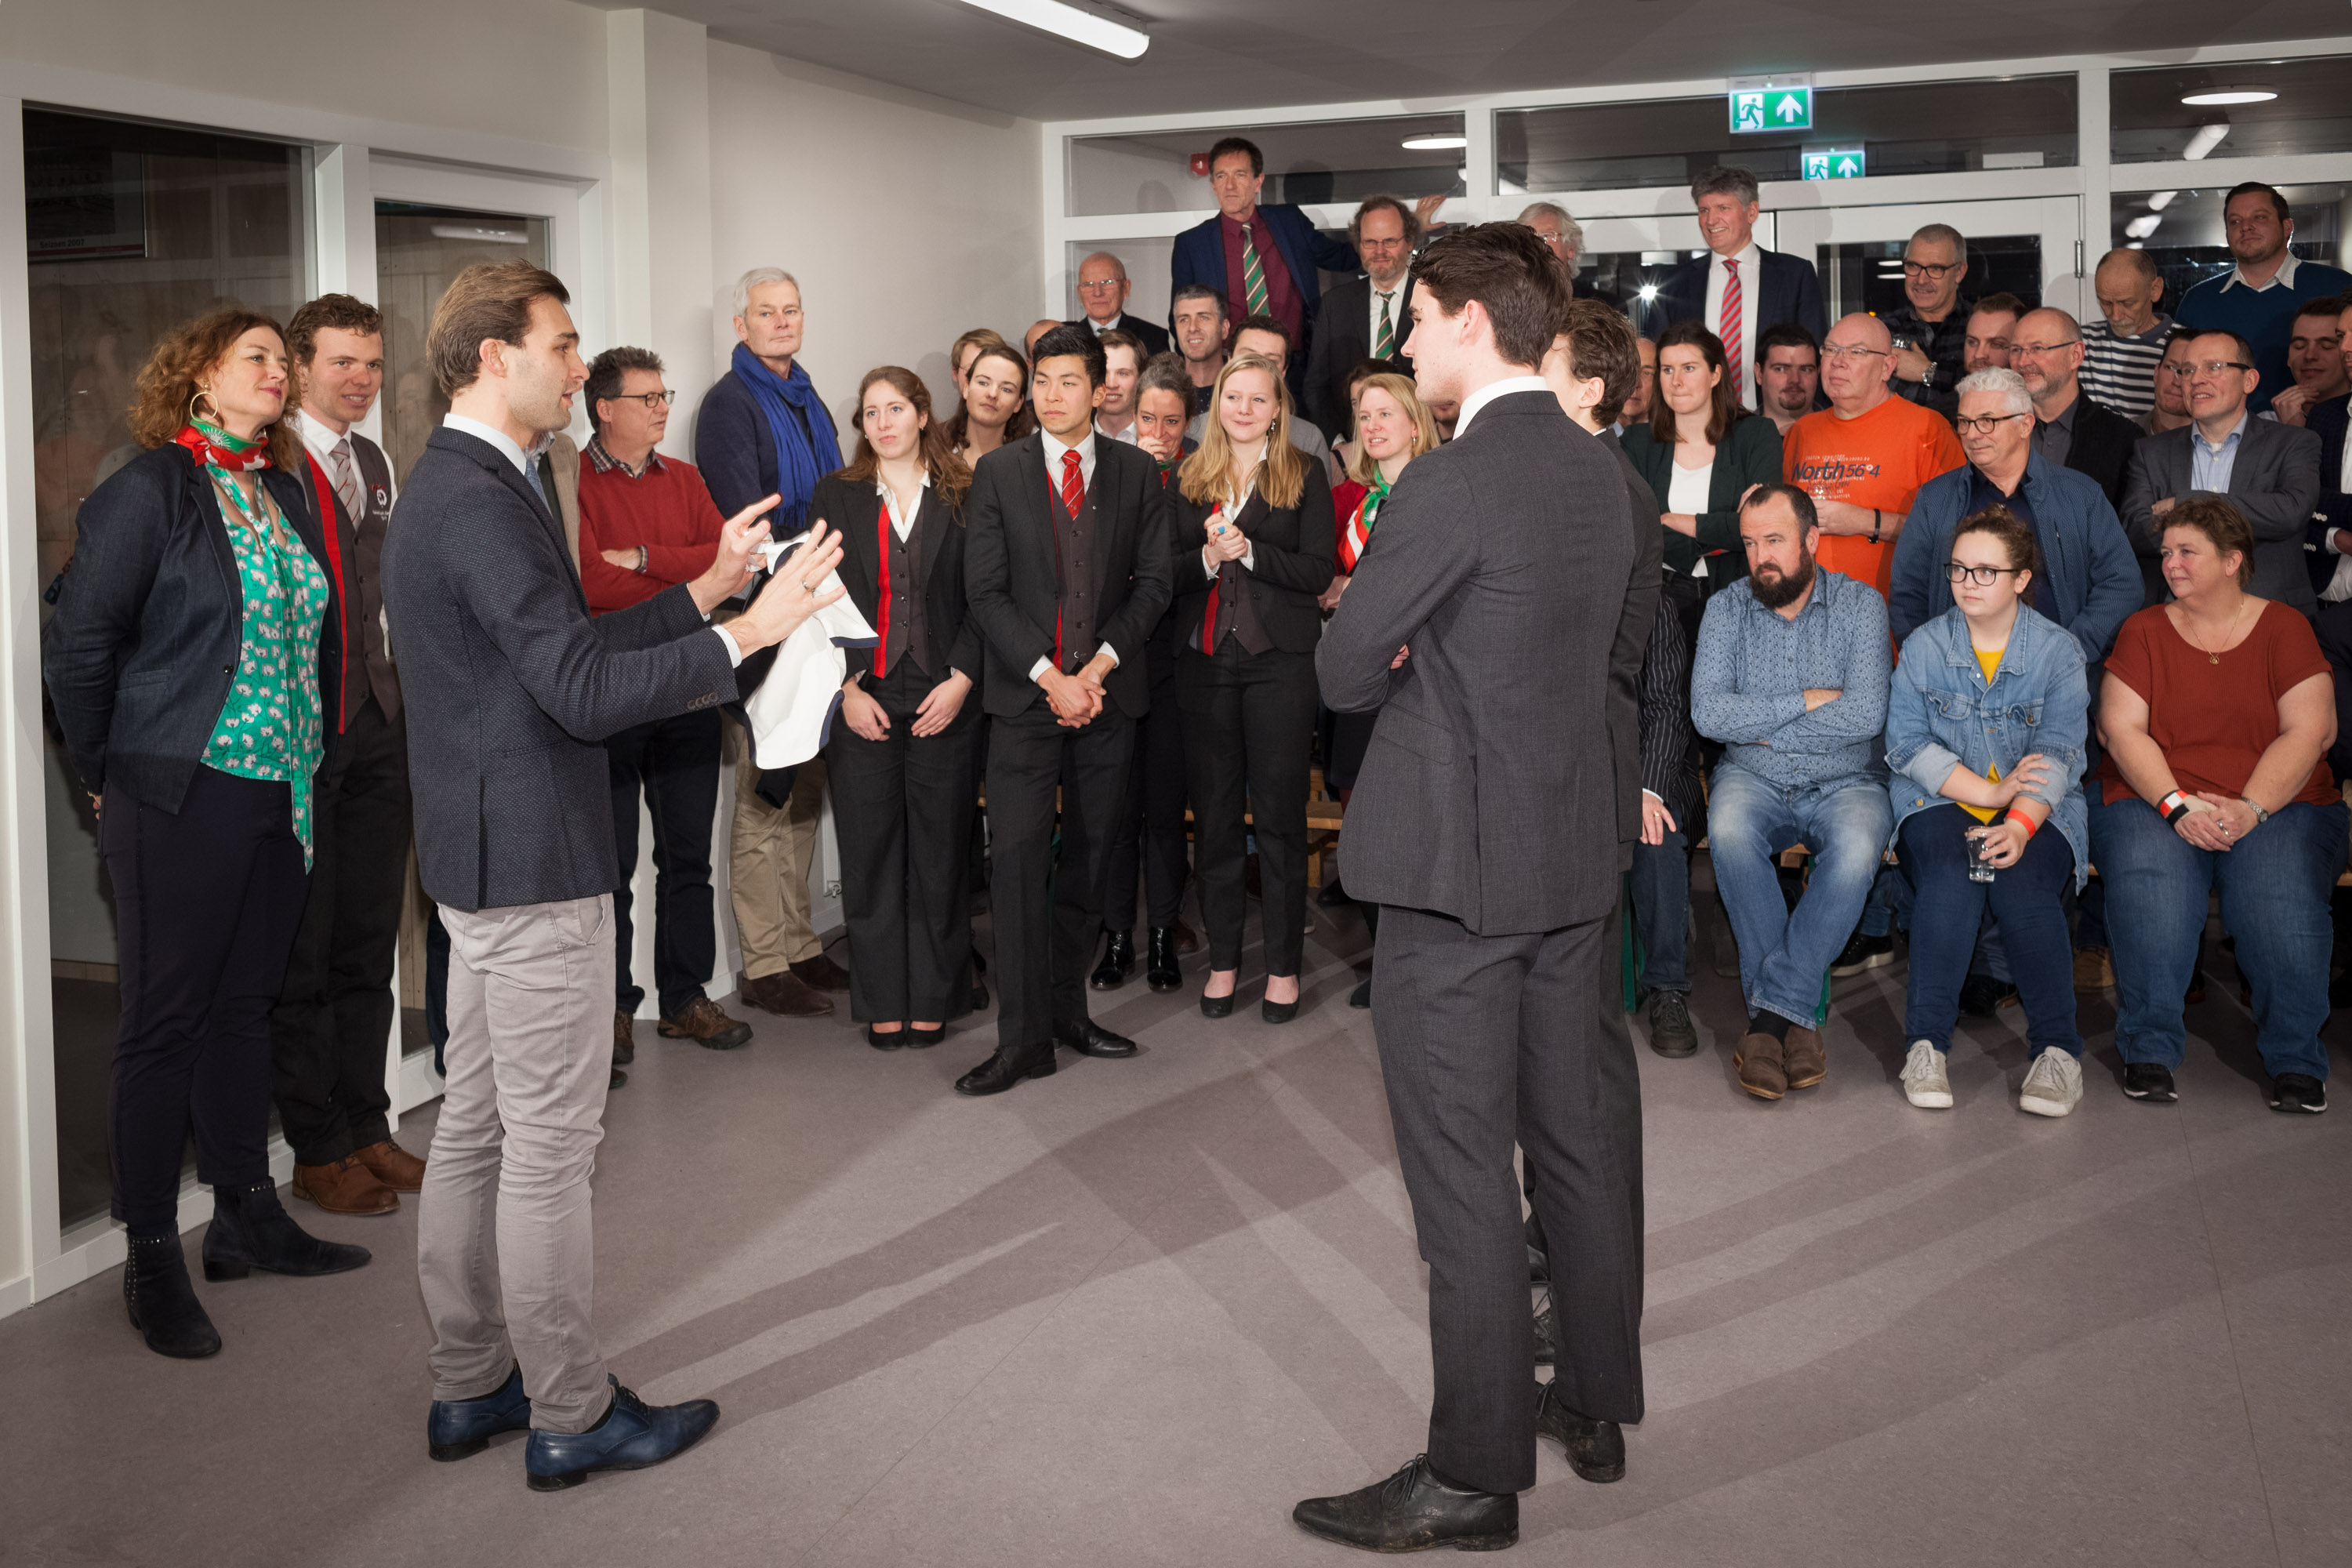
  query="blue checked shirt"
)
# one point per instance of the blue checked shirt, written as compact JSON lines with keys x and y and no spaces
{"x":1754,"y":667}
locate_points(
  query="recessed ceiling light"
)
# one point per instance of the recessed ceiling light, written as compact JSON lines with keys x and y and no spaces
{"x":2160,"y":200}
{"x":2142,"y":227}
{"x":1079,"y":26}
{"x":2227,"y":95}
{"x":2207,"y":137}
{"x":1434,"y":143}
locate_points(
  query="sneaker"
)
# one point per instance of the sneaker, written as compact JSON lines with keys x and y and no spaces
{"x":2149,"y":1081}
{"x":1864,"y":952}
{"x":2094,"y":972}
{"x":2298,"y":1094}
{"x":2052,"y":1084}
{"x":1925,"y":1082}
{"x":1670,"y":1033}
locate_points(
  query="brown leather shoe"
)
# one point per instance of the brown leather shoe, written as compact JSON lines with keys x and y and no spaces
{"x":395,"y":1166}
{"x":624,"y":1044}
{"x":1801,"y":1060}
{"x":344,"y":1187}
{"x":1187,"y":939}
{"x":822,"y":972}
{"x":786,"y":995}
{"x":705,"y":1024}
{"x":1761,"y":1073}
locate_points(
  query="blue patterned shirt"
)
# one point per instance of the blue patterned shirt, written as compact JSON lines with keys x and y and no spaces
{"x":1755,"y":666}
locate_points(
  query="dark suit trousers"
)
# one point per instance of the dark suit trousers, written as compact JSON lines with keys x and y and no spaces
{"x":206,"y":901}
{"x":675,"y":762}
{"x":1485,"y":1042}
{"x":1249,"y":723}
{"x":332,"y":1025}
{"x":902,"y":810}
{"x":1047,"y":915}
{"x":1151,"y":832}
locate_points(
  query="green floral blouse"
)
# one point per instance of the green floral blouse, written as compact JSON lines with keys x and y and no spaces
{"x":270,"y":726}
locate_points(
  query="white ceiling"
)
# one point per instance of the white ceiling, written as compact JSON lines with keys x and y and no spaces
{"x":1241,"y":54}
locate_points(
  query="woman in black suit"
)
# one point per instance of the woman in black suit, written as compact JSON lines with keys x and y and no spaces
{"x":1253,"y":549}
{"x":1700,"y":452}
{"x":190,"y":662}
{"x":905,"y":758}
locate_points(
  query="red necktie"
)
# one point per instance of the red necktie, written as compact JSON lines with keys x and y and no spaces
{"x":1729,"y":325}
{"x":1209,"y":617}
{"x":1073,"y":496}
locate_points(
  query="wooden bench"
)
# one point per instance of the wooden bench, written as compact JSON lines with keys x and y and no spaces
{"x":1323,"y":820}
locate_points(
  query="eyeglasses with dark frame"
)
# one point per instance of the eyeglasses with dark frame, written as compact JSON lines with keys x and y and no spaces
{"x":1984,"y":576}
{"x":1934,"y":272}
{"x":1985,"y":424}
{"x":652,"y":400}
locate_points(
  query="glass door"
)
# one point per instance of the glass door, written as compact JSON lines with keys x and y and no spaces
{"x":418,"y":249}
{"x":2030,"y":248}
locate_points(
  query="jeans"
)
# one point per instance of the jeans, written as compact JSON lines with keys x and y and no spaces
{"x":1785,"y":953}
{"x":2274,"y":889}
{"x":1950,"y":911}
{"x":1662,"y":911}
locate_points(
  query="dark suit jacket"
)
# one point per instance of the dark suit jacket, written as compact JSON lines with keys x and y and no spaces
{"x":1635,"y":625}
{"x":1504,"y":559}
{"x":1155,"y":339}
{"x":2327,"y":421}
{"x":2334,"y":628}
{"x":1748,"y":453}
{"x":1009,"y":568}
{"x":2275,"y":481}
{"x":1343,"y":340}
{"x":2102,"y":446}
{"x":1199,"y":257}
{"x":1790,"y":291}
{"x":855,"y":511}
{"x":510,"y":689}
{"x":1294,"y":549}
{"x":150,"y":619}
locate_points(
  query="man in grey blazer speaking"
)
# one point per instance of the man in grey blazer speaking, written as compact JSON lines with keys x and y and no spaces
{"x":510,"y":689}
{"x":1483,"y":822}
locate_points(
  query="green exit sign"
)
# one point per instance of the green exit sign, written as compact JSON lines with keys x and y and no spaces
{"x":1834,"y":163}
{"x":1761,"y":104}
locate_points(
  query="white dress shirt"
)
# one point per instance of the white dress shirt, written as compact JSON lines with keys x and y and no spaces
{"x":1491,"y":391}
{"x":320,"y":442}
{"x":901,"y":526}
{"x":1751,"y":285}
{"x":1399,"y":327}
{"x":1054,"y":449}
{"x":2283,"y":278}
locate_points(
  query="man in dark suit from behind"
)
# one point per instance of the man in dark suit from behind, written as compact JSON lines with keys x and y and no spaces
{"x":1103,"y":289}
{"x":1485,"y":824}
{"x":1068,"y":571}
{"x":508,"y":687}
{"x":1738,"y":289}
{"x":1364,"y":318}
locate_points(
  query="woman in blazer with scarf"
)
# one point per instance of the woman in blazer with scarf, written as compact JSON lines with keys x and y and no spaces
{"x":1694,"y":415}
{"x":904,"y":756}
{"x":1253,"y":549}
{"x":191,"y":660}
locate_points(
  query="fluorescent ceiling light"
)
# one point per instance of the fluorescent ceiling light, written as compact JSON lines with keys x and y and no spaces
{"x":481,"y":234}
{"x":2224,"y":95}
{"x":1069,"y":21}
{"x":2207,"y":137}
{"x":2142,"y":227}
{"x":1434,"y":143}
{"x":2160,"y":200}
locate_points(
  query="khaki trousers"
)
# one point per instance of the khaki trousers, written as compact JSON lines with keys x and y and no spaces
{"x":771,"y":851}
{"x":505,"y":1250}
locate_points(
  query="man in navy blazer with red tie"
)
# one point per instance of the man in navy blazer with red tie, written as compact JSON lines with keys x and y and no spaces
{"x":1263,"y":259}
{"x":1772,"y":286}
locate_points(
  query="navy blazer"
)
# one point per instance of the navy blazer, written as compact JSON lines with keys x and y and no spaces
{"x":511,"y":689}
{"x":149,"y":620}
{"x":1790,"y":291}
{"x":2327,"y":421}
{"x":1200,"y":257}
{"x":1154,"y":339}
{"x":1343,"y":342}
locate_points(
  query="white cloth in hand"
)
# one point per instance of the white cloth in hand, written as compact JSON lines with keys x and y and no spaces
{"x":792,"y":710}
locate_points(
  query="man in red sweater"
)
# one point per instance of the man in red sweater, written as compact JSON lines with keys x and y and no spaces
{"x":646,"y":522}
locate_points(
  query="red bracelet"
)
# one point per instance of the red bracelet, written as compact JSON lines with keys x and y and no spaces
{"x":2023,"y":821}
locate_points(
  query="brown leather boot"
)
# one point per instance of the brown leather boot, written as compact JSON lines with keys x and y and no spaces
{"x":706,"y":1026}
{"x":786,"y":995}
{"x":395,"y":1166}
{"x":1758,"y":1059}
{"x":344,"y":1187}
{"x":625,"y":1042}
{"x":1802,"y":1059}
{"x":822,"y":972}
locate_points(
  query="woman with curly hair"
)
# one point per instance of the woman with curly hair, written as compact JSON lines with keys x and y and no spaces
{"x":189,"y":662}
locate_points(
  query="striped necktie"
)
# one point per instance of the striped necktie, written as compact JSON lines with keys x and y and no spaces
{"x":346,"y":480}
{"x":1729,"y":324}
{"x":1384,"y":339}
{"x":1253,"y":275}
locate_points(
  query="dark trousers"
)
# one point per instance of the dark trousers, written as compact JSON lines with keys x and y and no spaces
{"x":1487,"y":1042}
{"x":332,"y":1029}
{"x":1046,"y":916}
{"x":2027,"y":900}
{"x":1249,"y":719}
{"x":206,"y":901}
{"x":1152,"y":830}
{"x":902,"y":810}
{"x":675,"y":762}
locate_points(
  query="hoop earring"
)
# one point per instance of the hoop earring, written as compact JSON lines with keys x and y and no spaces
{"x":202,"y":394}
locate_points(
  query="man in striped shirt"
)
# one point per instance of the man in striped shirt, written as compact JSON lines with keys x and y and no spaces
{"x":2120,"y":353}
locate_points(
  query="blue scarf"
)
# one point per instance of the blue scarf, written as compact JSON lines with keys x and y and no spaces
{"x":801,"y":459}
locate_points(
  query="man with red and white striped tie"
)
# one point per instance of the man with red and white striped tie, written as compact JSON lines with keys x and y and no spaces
{"x":1738,"y":289}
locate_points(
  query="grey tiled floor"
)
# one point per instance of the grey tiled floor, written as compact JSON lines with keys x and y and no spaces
{"x":1131,"y":1313}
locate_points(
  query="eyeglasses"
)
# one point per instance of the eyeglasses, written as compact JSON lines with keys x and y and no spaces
{"x":1932,"y":272}
{"x":2218,"y":366}
{"x":2043,"y":348}
{"x":652,"y":400}
{"x":1984,"y":576}
{"x":1101,"y":285}
{"x":1986,"y":423}
{"x":2167,"y":367}
{"x":1852,"y":351}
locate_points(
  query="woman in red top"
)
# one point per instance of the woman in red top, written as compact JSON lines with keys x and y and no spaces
{"x":2216,"y":713}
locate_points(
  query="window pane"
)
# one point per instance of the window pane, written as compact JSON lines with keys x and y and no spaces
{"x":1332,"y":161}
{"x":418,"y":249}
{"x":131,"y":228}
{"x":1929,"y":128}
{"x":2181,"y":230}
{"x":2312,"y":112}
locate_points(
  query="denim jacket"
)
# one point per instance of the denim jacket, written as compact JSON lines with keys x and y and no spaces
{"x":1941,"y":714}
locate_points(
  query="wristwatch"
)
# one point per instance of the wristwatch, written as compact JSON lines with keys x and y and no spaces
{"x":2260,"y":815}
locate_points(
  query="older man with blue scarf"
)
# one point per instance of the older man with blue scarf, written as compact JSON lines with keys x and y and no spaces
{"x":763,"y":431}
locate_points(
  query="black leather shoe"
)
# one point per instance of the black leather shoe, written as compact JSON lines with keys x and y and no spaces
{"x":1333,"y":896}
{"x":632,"y":1436}
{"x":1275,"y":1012}
{"x":889,"y":1041}
{"x":1006,"y":1068}
{"x":2150,"y":1082}
{"x":1361,"y":996}
{"x":2298,"y":1094}
{"x":1413,"y":1510}
{"x":1089,"y":1038}
{"x":617,"y":1079}
{"x":1218,"y":1007}
{"x":923,"y":1040}
{"x":162,"y":1300}
{"x":1596,"y":1449}
{"x":458,"y":1428}
{"x":1160,"y":963}
{"x":251,"y":1229}
{"x":1117,"y":962}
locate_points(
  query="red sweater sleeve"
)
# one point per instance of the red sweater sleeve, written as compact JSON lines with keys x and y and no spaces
{"x":682,"y":563}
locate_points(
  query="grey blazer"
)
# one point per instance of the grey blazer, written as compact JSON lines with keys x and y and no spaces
{"x":2275,"y":481}
{"x":1489,"y":790}
{"x":509,"y":686}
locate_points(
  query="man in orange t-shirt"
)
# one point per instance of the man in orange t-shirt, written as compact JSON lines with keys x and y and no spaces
{"x":1865,"y":456}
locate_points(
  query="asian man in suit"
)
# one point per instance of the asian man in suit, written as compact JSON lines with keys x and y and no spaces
{"x":1364,"y":318}
{"x":1738,"y":289}
{"x":1103,"y":289}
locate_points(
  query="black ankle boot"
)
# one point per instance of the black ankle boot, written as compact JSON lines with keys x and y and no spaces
{"x":1160,"y":969}
{"x":163,"y":1299}
{"x":1117,"y":962}
{"x":251,"y":1229}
